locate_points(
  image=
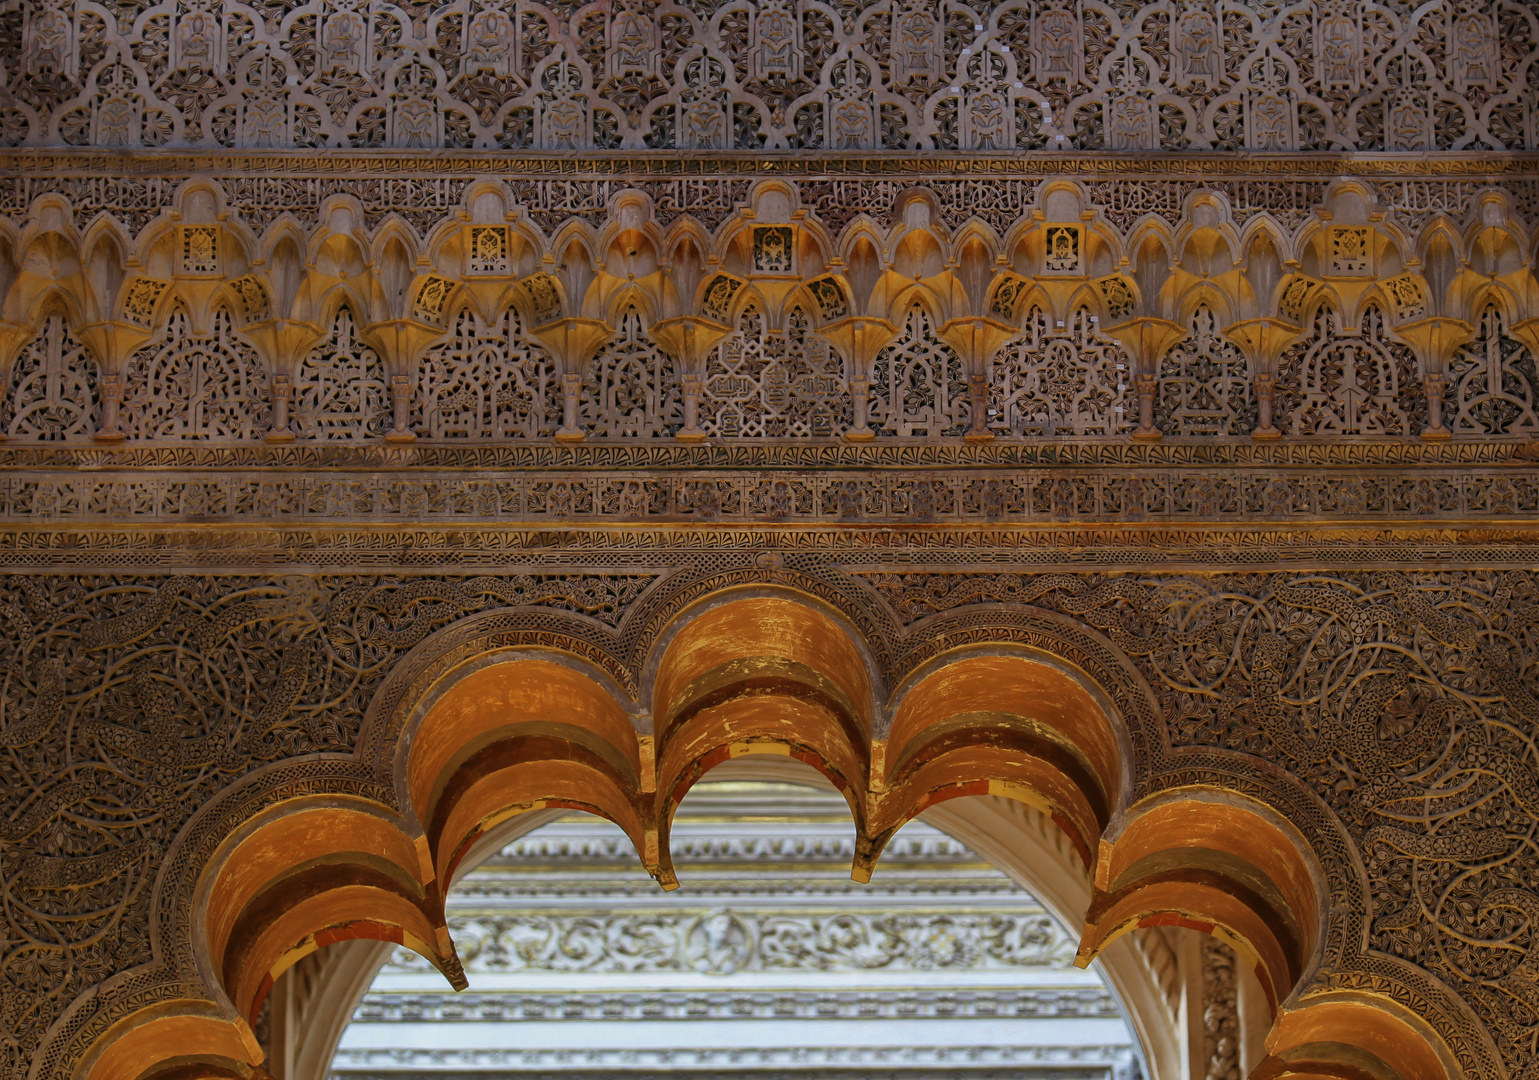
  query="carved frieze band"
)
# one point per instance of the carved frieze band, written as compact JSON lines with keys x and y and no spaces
{"x":773,"y":75}
{"x":723,"y":941}
{"x":777,"y":498}
{"x":755,"y":550}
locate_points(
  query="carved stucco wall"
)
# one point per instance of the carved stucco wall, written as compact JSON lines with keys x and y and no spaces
{"x":1245,"y":437}
{"x":776,"y":75}
{"x":493,"y":312}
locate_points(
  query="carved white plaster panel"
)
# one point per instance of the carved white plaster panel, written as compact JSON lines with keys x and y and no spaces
{"x":727,"y":940}
{"x":759,"y":383}
{"x":340,"y":390}
{"x":632,"y":388}
{"x":488,"y":382}
{"x":1204,"y":385}
{"x":918,"y":383}
{"x":1493,"y":382}
{"x":1338,"y":383}
{"x":1060,"y":379}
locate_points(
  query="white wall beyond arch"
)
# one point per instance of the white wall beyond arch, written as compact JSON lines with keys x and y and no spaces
{"x":1155,"y":974}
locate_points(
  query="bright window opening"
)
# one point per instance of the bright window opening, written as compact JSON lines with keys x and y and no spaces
{"x":767,"y":962}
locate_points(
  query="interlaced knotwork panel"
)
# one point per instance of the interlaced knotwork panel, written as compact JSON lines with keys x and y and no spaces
{"x":1060,"y":380}
{"x":760,"y":383}
{"x":1398,"y":701}
{"x":918,"y":385}
{"x":631,"y":387}
{"x":51,"y":394}
{"x":488,"y":382}
{"x":196,"y":386}
{"x":1334,"y":383}
{"x":1204,"y":384}
{"x":973,"y":75}
{"x":340,"y":390}
{"x":1493,"y":382}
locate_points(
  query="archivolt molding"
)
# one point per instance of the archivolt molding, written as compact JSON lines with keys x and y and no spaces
{"x":1221,"y":321}
{"x":776,"y":76}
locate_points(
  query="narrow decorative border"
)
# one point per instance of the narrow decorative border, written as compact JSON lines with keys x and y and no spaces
{"x":1147,"y":165}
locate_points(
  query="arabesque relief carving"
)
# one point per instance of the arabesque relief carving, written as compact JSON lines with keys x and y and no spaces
{"x":1123,"y":408}
{"x":164,"y":731}
{"x":725,"y":941}
{"x":774,"y":76}
{"x":1335,"y":678}
{"x":918,"y":320}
